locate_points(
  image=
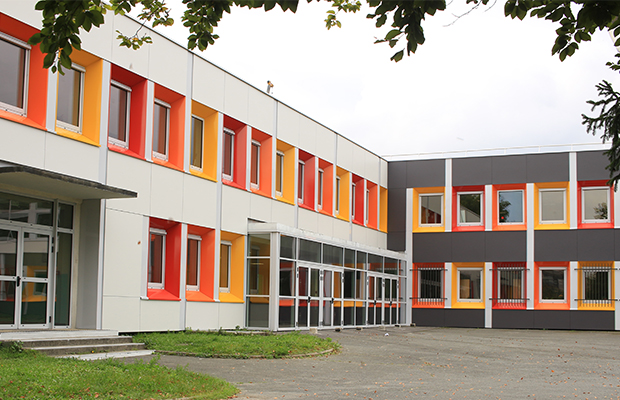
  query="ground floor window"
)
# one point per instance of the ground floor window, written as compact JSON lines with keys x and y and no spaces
{"x":595,"y":284}
{"x":428,"y":289}
{"x":509,"y":287}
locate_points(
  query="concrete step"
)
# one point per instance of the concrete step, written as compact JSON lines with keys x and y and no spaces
{"x":23,"y":335}
{"x":116,"y":354}
{"x":75,"y":341}
{"x":88,"y":349}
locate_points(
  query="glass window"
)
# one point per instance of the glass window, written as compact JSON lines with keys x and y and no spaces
{"x":470,"y":208}
{"x":229,"y":152}
{"x":430,"y":283}
{"x":337,"y":195}
{"x":255,"y":165}
{"x":287,"y":278}
{"x":320,"y":197}
{"x":552,"y":205}
{"x":26,"y":209}
{"x":300,"y":181}
{"x":118,"y":124}
{"x":70,"y":98}
{"x":287,"y":247}
{"x":279,"y":172}
{"x":14,"y":72}
{"x":65,"y":216}
{"x":510,"y":206}
{"x":353,"y":200}
{"x":193,"y":262}
{"x":259,"y":244}
{"x":332,"y":255}
{"x":552,"y":284}
{"x":594,"y":201}
{"x":157,"y":259}
{"x":595,"y":283}
{"x":361,"y":260}
{"x":367,"y":207}
{"x":309,"y":251}
{"x":196,"y":143}
{"x":375,"y":263}
{"x":225,"y":255}
{"x":510,"y":283}
{"x":470,"y":284}
{"x":431,"y":207}
{"x":161,"y":122}
{"x":390,"y":266}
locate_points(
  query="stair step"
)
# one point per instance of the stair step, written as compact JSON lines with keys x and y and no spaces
{"x":75,"y":341}
{"x":116,"y":354}
{"x":23,"y":335}
{"x":91,"y":348}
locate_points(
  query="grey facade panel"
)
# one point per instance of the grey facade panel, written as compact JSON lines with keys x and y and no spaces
{"x":617,"y":244}
{"x":591,"y":166}
{"x":595,"y":244}
{"x":426,"y":173}
{"x":551,"y":319}
{"x":506,"y":246}
{"x":432,"y":247}
{"x":464,"y":318}
{"x":592,"y":320}
{"x":397,"y":175}
{"x":547,"y":168}
{"x":397,"y":210}
{"x":468,"y":246}
{"x":509,"y":169}
{"x":558,"y":245}
{"x":513,"y":319}
{"x":396,"y":241}
{"x":428,"y":316}
{"x":471,"y":171}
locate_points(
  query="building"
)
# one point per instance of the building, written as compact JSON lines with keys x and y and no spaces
{"x":136,"y":199}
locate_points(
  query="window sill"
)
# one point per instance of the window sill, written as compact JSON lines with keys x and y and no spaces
{"x":76,"y":136}
{"x":161,"y":294}
{"x":229,"y":298}
{"x":20,"y":119}
{"x":165,"y":163}
{"x":192,"y":295}
{"x":301,"y":205}
{"x":476,"y":305}
{"x":201,"y":174}
{"x":122,"y":150}
{"x":467,"y":228}
{"x":232,"y":184}
{"x":423,"y":229}
{"x":595,"y":225}
{"x":551,"y":306}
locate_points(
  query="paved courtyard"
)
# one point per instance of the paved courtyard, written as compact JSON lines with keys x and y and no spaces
{"x":443,"y":363}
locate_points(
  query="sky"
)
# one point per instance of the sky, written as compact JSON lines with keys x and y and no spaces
{"x":482,"y":81}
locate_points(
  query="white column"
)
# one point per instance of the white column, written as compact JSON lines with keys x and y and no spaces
{"x":183,"y":278}
{"x":529,"y":240}
{"x":572,"y":168}
{"x":488,"y":207}
{"x":448,"y":285}
{"x":616,"y":292}
{"x":248,"y":157}
{"x":148,"y":139}
{"x":488,"y":294}
{"x":188,"y":111}
{"x":103,"y":125}
{"x":218,"y":209}
{"x":409,"y":252}
{"x":574,"y":284}
{"x":52,"y":89}
{"x":146,"y":239}
{"x":448,"y":196}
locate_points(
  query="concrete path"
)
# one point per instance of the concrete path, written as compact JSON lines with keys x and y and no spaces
{"x":438,"y":363}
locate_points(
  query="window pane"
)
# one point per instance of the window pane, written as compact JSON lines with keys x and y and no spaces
{"x":156,"y":260}
{"x":510,"y":207}
{"x":287,"y":247}
{"x":470,"y":284}
{"x":470,"y":208}
{"x":196,"y":145}
{"x":596,"y":284}
{"x":258,"y":276}
{"x":12,"y":71}
{"x":69,"y":97}
{"x":26,"y":209}
{"x":65,"y":216}
{"x":430,"y":209}
{"x":391,"y":266}
{"x":259,"y":245}
{"x":224,"y":265}
{"x":595,"y":204}
{"x":8,"y":252}
{"x":63,"y":279}
{"x":309,"y":251}
{"x":511,"y":284}
{"x":552,"y":205}
{"x":254,"y":164}
{"x":349,"y":258}
{"x":361,"y":260}
{"x":552,"y":284}
{"x":193,"y":261}
{"x":430,"y":281}
{"x":279,"y":168}
{"x":160,"y":129}
{"x":300,"y":182}
{"x":375,"y":263}
{"x":119,"y":99}
{"x":332,"y":255}
{"x":228,"y":153}
{"x":320,"y":199}
{"x":287,"y":278}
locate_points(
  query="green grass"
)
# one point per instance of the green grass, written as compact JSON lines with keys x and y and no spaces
{"x":222,"y":344}
{"x":30,"y":375}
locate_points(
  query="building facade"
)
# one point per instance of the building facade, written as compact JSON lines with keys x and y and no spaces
{"x":142,"y":195}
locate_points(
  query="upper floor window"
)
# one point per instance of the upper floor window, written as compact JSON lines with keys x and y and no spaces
{"x":225,"y":256}
{"x":510,"y":206}
{"x":320,"y":190}
{"x":594,"y":204}
{"x":229,"y":152}
{"x":255,"y":165}
{"x":71,"y":98}
{"x":279,"y":172}
{"x":552,"y":206}
{"x":196,"y":143}
{"x":118,"y":126}
{"x":470,"y":206}
{"x":300,"y":181}
{"x":353,"y":186}
{"x":161,"y":128}
{"x":13,"y":73}
{"x":431,"y":206}
{"x":157,"y":259}
{"x":193,"y":262}
{"x":367,"y":207}
{"x":337,"y":195}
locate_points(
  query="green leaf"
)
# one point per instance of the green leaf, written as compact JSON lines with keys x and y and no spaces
{"x":398,"y":56}
{"x":392,"y":34}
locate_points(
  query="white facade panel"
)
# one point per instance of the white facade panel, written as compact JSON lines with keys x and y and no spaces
{"x":236,"y":98}
{"x":98,"y":42}
{"x":383,"y":180}
{"x":283,"y":213}
{"x":327,"y":142}
{"x":371,"y":167}
{"x":308,"y":220}
{"x":208,"y":84}
{"x":288,"y":125}
{"x":132,"y":174}
{"x":23,"y":10}
{"x":307,"y":135}
{"x":122,"y":254}
{"x":235,"y":209}
{"x":159,"y":315}
{"x":202,"y":315}
{"x":166,"y":193}
{"x":199,"y":201}
{"x":260,"y":208}
{"x":136,"y":61}
{"x":160,"y":71}
{"x":27,"y":144}
{"x":325,"y":224}
{"x":342,"y":229}
{"x":231,"y":315}
{"x":261,"y":112}
{"x":121,"y":313}
{"x":345,"y":154}
{"x":359,"y":234}
{"x":71,"y":157}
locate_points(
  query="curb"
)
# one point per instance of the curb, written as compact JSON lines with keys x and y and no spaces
{"x":185,"y":354}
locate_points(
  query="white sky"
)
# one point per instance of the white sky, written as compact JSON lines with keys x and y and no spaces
{"x":486,"y":81}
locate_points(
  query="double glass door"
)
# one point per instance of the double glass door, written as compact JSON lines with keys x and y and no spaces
{"x":383,"y":300}
{"x":319,"y":298}
{"x":25,"y":256}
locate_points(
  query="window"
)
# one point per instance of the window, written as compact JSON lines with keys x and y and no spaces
{"x":118,"y":123}
{"x":196,"y":143}
{"x":510,"y":206}
{"x":320,"y":183}
{"x":337,"y":195}
{"x":161,"y":121}
{"x":552,"y":206}
{"x":470,"y":284}
{"x":229,"y":154}
{"x":428,"y":284}
{"x":594,"y":204}
{"x":13,"y":70}
{"x":470,"y":208}
{"x":193,"y":262}
{"x":279,"y":172}
{"x":225,"y":255}
{"x":71,"y":98}
{"x":255,"y":165}
{"x":300,"y":181}
{"x":157,"y":259}
{"x":431,"y":206}
{"x":552,"y":281}
{"x":353,"y":200}
{"x":509,"y":285}
{"x":367,"y":207}
{"x":595,"y":284}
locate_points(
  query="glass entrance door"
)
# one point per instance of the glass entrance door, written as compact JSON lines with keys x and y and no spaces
{"x":309,"y":284}
{"x":24,"y":278}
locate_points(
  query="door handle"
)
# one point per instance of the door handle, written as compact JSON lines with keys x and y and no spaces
{"x":19,"y":279}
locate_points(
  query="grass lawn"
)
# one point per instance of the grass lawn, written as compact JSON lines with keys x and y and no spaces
{"x":224,"y":344}
{"x":30,"y":375}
